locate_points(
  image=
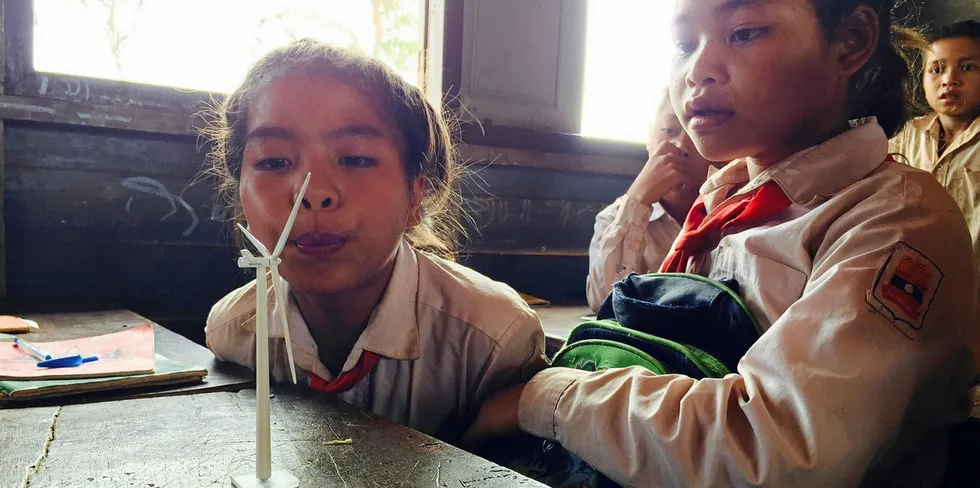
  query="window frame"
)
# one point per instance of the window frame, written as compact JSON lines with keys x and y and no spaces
{"x":21,"y":79}
{"x":441,"y":67}
{"x":506,"y":136}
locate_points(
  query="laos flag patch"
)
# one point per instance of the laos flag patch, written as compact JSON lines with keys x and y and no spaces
{"x":905,"y":286}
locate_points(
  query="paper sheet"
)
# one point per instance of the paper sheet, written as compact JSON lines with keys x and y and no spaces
{"x":120,"y":353}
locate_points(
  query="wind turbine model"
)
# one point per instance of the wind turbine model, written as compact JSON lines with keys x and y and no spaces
{"x":264,"y":476}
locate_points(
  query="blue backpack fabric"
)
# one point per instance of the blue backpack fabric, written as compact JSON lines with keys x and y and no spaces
{"x":672,"y":317}
{"x":668,"y":323}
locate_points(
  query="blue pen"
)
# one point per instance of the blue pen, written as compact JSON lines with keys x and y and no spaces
{"x":46,"y":361}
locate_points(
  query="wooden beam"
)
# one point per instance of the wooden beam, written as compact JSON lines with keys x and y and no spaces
{"x":101,"y":116}
{"x":3,"y":232}
{"x":571,"y":162}
{"x":432,"y":52}
{"x":488,"y":134}
{"x":452,"y":52}
{"x":479,"y":249}
{"x":3,"y":181}
{"x":143,"y":119}
{"x":18,"y":41}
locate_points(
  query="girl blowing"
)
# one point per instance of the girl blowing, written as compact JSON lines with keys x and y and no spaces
{"x":858,"y":268}
{"x":635,"y":233}
{"x":373,"y":319}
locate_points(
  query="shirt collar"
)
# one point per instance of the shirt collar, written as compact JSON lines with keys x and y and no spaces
{"x":966,"y":137}
{"x":392,"y":330}
{"x":812,"y":175}
{"x":929,"y":126}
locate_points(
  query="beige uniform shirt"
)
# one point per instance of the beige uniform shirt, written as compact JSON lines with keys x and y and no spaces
{"x":957,"y":169}
{"x":448,"y":337}
{"x":629,"y":237}
{"x":853,"y":381}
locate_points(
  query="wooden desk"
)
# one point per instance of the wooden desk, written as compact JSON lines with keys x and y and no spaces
{"x":63,"y":326}
{"x":201,"y":440}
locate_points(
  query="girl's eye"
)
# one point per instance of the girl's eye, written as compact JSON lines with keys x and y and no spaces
{"x":670,"y":132}
{"x":746,"y":35}
{"x":358,"y":161}
{"x":685,"y":48}
{"x":273,"y":164}
{"x":969,"y":67}
{"x":936,"y":70}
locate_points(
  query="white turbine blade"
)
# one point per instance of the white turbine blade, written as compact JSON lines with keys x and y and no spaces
{"x":281,"y":305}
{"x":292,"y":217}
{"x":255,"y":242}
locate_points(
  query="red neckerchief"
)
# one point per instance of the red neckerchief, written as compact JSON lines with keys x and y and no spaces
{"x":701,"y":235}
{"x":346,"y":380}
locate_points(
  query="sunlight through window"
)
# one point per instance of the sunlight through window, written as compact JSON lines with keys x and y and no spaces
{"x":210,"y":44}
{"x":627,"y":66}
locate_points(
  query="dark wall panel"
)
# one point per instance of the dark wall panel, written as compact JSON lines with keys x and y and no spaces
{"x":529,"y":211}
{"x":105,"y":216}
{"x":100,"y":216}
{"x":947,"y":11}
{"x":560,"y":279}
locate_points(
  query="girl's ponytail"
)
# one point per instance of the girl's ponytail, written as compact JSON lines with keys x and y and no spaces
{"x":883,"y":88}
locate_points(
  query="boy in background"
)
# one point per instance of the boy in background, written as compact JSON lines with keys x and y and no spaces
{"x":946,"y":142}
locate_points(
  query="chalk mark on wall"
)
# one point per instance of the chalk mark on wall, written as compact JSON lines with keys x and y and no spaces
{"x":75,"y":90}
{"x":154,"y":187}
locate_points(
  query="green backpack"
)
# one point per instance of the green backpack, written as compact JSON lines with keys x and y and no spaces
{"x":668,"y":323}
{"x":604,"y":344}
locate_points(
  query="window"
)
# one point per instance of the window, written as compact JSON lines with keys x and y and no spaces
{"x":627,"y":67}
{"x":210,"y":44}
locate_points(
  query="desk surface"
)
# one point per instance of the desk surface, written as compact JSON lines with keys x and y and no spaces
{"x":558,"y":321}
{"x":63,"y":326}
{"x":202,"y":440}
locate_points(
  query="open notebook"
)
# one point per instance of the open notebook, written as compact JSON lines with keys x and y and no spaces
{"x":127,"y":352}
{"x":165,"y":372}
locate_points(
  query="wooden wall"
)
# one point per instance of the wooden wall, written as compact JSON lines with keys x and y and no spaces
{"x":534,"y":231}
{"x":948,"y":11}
{"x":98,"y":214}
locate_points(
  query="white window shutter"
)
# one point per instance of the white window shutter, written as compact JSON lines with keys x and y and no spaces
{"x":524,"y":63}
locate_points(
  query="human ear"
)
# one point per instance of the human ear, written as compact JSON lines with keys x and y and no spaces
{"x":415,"y":202}
{"x":856,"y":40}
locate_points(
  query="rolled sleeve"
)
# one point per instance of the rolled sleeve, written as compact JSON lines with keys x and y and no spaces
{"x":538,"y":406}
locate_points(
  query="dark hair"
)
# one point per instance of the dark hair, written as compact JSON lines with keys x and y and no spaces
{"x":429,"y":151}
{"x":965,"y":28}
{"x":882,"y":88}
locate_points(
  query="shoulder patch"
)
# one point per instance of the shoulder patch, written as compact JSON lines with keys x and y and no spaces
{"x":905,"y":287}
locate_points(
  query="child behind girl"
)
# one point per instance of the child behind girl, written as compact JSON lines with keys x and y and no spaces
{"x":385,"y":326}
{"x":946,"y":142}
{"x":635,"y":233}
{"x":858,"y":269}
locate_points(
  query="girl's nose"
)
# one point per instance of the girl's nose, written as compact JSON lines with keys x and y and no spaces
{"x":323,"y":203}
{"x":322,"y":191}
